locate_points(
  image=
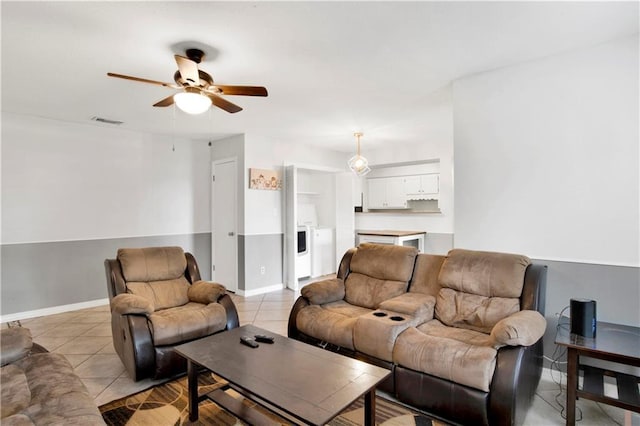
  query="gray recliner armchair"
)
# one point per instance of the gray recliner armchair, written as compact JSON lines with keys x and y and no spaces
{"x":158,"y":301}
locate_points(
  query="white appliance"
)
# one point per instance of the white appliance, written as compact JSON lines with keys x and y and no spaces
{"x":307,"y":220}
{"x":322,"y":252}
{"x":303,"y":257}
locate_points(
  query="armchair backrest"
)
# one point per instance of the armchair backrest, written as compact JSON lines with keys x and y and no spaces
{"x":160,"y":274}
{"x":478,"y":288}
{"x":378,"y":272}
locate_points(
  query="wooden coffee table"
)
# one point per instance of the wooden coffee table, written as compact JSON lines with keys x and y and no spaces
{"x":291,"y":378}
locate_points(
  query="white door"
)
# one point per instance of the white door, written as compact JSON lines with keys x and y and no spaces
{"x":345,"y":218}
{"x":224,"y":238}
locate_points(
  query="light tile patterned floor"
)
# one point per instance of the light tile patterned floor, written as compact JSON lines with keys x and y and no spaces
{"x":84,"y":337}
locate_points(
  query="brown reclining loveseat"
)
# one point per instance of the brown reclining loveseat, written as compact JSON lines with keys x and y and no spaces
{"x":461,"y":333}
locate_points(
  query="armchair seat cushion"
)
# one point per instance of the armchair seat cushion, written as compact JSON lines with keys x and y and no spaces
{"x":459,"y":355}
{"x":331,"y":322}
{"x":187,"y":322}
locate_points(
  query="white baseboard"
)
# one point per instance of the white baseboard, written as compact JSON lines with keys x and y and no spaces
{"x":262,"y":290}
{"x":53,"y":310}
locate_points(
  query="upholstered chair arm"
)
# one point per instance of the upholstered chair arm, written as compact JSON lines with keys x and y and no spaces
{"x":325,"y":291}
{"x":415,"y":304}
{"x":15,"y":343}
{"x":127,"y":303}
{"x":523,"y":328}
{"x":205,"y":292}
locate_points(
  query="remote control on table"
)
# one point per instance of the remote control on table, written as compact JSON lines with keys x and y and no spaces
{"x":264,"y":339}
{"x":249,"y":342}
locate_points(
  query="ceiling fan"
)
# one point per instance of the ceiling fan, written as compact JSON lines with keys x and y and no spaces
{"x":198,"y":90}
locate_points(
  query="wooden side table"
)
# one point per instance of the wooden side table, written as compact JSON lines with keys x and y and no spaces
{"x":616,"y":343}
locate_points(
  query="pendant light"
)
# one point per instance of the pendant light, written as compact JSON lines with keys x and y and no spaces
{"x":358,"y":164}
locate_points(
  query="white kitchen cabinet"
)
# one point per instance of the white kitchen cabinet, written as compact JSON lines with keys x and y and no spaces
{"x":386,"y":193}
{"x":422,"y":187}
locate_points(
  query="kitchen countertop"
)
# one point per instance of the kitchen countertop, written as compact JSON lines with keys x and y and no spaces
{"x":387,"y":233}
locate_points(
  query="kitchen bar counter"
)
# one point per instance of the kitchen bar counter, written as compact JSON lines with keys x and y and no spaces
{"x":399,"y":238}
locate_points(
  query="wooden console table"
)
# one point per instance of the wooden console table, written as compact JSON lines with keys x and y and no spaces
{"x":616,"y":343}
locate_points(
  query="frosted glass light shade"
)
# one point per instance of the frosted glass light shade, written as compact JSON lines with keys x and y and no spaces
{"x":192,"y":103}
{"x":359,"y":165}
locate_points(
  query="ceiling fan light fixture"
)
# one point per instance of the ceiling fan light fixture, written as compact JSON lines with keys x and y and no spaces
{"x":192,"y":101}
{"x":358,"y":164}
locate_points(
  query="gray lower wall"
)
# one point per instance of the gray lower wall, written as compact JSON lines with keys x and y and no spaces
{"x":438,"y":243}
{"x":616,"y":290}
{"x":254,"y":252}
{"x":43,"y":275}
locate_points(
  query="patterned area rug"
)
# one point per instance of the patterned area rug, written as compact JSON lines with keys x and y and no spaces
{"x":167,"y":404}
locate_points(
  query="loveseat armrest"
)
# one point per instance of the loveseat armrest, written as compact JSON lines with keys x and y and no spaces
{"x":205,"y":292}
{"x":127,"y":303}
{"x":523,"y":328}
{"x":415,"y":304}
{"x":325,"y":291}
{"x":15,"y":343}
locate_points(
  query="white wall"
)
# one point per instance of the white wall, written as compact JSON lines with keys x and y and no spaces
{"x":263,"y":212}
{"x":547,"y":157}
{"x":64,"y":181}
{"x":437,"y":144}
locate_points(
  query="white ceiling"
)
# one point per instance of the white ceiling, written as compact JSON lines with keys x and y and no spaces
{"x":330,"y":67}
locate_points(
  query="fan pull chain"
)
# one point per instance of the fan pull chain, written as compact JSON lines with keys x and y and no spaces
{"x":173,"y":129}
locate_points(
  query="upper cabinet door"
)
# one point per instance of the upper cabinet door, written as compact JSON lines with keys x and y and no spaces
{"x":376,"y":193}
{"x":430,"y":183}
{"x":396,"y":194}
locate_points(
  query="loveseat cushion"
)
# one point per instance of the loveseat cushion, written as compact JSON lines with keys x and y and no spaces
{"x":152,"y":263}
{"x":331,"y":322}
{"x":58,"y":396}
{"x":479,"y":288}
{"x":325,"y":291}
{"x":480,"y":313}
{"x":456,"y":357}
{"x":378,"y":272}
{"x":163,"y":294}
{"x":524,"y":328}
{"x":16,"y":395}
{"x":425,"y":274}
{"x":484,"y":273}
{"x":15,"y":343}
{"x":415,"y":304}
{"x":187,"y":322}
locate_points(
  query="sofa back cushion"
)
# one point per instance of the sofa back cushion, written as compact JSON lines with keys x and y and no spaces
{"x":378,"y":272}
{"x":478,"y":289}
{"x":425,"y":274}
{"x":157,"y":274}
{"x":152,"y":263}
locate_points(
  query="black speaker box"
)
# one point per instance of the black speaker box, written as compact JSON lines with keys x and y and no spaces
{"x":583,"y":317}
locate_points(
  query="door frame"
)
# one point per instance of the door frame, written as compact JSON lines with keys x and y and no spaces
{"x":214,"y":163}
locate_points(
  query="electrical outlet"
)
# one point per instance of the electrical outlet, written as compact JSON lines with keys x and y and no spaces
{"x":263,"y":270}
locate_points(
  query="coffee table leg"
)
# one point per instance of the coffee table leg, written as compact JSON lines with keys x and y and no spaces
{"x":192,"y":373}
{"x":370,"y":408}
{"x":572,"y":385}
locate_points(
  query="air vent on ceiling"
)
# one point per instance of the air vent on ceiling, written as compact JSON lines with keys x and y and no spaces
{"x":107,"y":121}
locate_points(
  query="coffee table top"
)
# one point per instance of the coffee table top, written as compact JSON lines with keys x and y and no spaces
{"x":307,"y":382}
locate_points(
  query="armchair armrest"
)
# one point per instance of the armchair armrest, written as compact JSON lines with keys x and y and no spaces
{"x":325,"y":291}
{"x":15,"y":343}
{"x":523,"y":328}
{"x":205,"y":292}
{"x":127,"y":303}
{"x":415,"y":304}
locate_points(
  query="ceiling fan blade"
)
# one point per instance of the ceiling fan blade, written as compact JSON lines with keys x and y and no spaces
{"x":188,"y":70}
{"x":223,"y":103}
{"x":243,"y":90}
{"x":143,"y":80}
{"x":165,"y":102}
